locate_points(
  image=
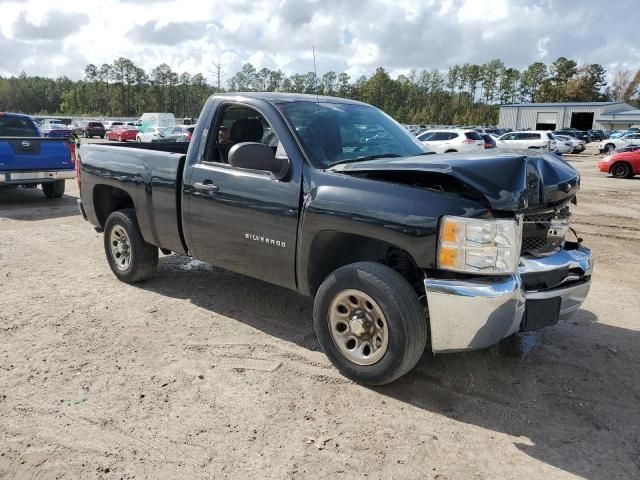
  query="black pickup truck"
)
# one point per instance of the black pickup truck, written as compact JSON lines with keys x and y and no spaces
{"x":402,"y":249}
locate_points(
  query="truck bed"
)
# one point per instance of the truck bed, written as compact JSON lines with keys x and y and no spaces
{"x":150,"y":174}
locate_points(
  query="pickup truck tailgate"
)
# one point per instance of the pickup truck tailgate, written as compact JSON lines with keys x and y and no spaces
{"x":34,"y":154}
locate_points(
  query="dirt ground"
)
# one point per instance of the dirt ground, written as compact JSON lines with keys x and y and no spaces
{"x":203,"y":373}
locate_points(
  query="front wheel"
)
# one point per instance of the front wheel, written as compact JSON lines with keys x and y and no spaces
{"x":131,"y":258}
{"x":370,"y":323}
{"x":53,"y":189}
{"x":138,"y":139}
{"x":609,"y":148}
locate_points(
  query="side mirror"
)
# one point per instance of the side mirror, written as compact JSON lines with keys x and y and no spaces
{"x":258,"y":156}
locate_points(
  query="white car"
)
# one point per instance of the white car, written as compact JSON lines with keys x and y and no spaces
{"x":611,"y":144}
{"x":534,"y":139}
{"x":158,"y":134}
{"x":567,"y":144}
{"x":452,"y":140}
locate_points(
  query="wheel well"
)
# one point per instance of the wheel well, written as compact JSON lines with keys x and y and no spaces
{"x":332,"y":250}
{"x":108,"y":199}
{"x":451,"y":150}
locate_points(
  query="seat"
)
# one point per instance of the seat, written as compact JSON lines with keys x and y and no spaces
{"x":243,"y":130}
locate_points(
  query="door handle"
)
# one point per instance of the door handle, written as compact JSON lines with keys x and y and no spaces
{"x":206,"y":186}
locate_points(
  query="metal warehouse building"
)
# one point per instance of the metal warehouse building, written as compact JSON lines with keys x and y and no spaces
{"x":556,"y":116}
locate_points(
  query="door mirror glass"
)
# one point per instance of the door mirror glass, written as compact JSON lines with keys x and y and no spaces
{"x":258,"y":156}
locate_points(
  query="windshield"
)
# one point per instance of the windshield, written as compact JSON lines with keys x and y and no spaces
{"x":334,"y":133}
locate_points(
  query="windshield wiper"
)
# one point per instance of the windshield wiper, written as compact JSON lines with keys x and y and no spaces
{"x":364,"y":158}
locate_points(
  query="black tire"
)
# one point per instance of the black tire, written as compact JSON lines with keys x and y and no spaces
{"x":621,"y":170}
{"x":144,"y":256}
{"x":53,"y":189}
{"x":85,"y":135}
{"x":609,"y":148}
{"x":405,"y":317}
{"x":102,"y":137}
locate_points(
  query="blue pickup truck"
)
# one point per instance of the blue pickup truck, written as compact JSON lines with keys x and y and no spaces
{"x":28,"y":160}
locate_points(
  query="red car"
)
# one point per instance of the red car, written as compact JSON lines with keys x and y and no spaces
{"x":122,"y":133}
{"x":621,"y":164}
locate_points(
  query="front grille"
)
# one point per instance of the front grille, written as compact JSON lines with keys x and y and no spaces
{"x":539,"y":246}
{"x":535,"y":233}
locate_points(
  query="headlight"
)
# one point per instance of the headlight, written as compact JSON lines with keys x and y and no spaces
{"x":473,"y":245}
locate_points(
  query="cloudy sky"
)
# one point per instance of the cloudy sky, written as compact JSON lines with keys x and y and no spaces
{"x":61,"y":37}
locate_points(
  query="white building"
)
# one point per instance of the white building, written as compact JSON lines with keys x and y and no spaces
{"x":580,"y":115}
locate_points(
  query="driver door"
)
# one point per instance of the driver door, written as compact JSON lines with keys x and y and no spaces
{"x":240,"y":219}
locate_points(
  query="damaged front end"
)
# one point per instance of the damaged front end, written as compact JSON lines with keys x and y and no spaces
{"x":478,"y":294}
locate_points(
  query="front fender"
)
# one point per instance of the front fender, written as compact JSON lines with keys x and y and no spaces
{"x":402,"y":216}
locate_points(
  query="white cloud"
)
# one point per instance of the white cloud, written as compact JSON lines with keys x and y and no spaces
{"x":44,"y":38}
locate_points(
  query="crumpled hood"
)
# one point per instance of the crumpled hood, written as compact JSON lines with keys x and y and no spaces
{"x":510,"y":181}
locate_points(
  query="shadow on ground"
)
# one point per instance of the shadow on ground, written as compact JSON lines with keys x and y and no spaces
{"x":568,"y":395}
{"x":30,"y":204}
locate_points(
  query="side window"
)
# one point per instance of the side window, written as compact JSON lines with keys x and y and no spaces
{"x":521,"y":136}
{"x":440,"y":136}
{"x":239,"y":124}
{"x":452,"y":135}
{"x":534,"y":136}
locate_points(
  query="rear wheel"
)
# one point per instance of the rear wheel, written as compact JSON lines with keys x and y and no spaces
{"x":621,"y":170}
{"x":138,"y":139}
{"x":53,"y":189}
{"x":131,"y":258}
{"x":370,"y":323}
{"x":120,"y":138}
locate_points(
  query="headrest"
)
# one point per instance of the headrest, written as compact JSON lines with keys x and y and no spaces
{"x":246,"y":130}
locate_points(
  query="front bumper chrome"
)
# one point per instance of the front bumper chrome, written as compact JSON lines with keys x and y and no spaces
{"x":476,"y":313}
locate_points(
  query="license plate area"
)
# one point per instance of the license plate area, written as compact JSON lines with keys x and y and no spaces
{"x":540,"y":314}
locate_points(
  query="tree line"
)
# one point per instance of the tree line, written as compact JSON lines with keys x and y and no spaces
{"x":464,"y":94}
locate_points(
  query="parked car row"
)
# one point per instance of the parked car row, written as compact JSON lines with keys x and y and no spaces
{"x":466,"y":140}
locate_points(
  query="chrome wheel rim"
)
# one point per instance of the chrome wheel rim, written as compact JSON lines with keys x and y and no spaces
{"x":120,"y":248}
{"x":358,"y":327}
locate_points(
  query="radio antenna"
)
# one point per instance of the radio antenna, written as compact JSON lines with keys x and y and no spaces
{"x":315,"y":74}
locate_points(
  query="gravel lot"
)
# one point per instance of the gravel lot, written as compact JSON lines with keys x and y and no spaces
{"x":203,"y":373}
